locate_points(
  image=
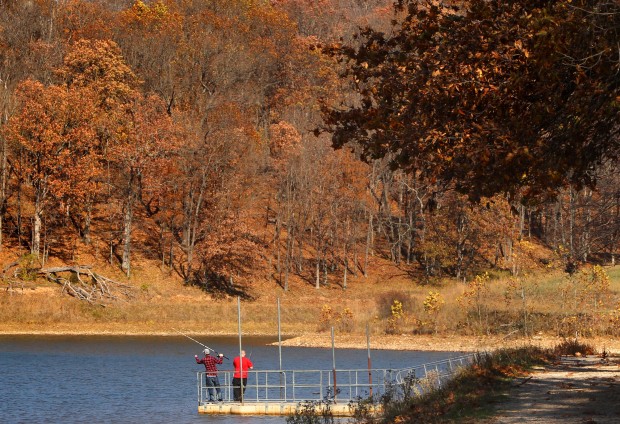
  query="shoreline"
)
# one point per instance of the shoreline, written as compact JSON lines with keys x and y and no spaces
{"x":405,"y":342}
{"x":439,"y":343}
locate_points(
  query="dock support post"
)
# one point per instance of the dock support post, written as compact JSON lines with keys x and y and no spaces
{"x":334,"y":365}
{"x":369,"y":361}
{"x":240,"y":348}
{"x":280,"y":348}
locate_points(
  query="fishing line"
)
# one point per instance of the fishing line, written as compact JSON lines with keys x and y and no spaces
{"x":201,"y":344}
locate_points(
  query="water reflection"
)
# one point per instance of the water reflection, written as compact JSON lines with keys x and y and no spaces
{"x":81,"y":379}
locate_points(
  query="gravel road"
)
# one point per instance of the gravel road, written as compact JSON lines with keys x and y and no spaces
{"x":573,"y":390}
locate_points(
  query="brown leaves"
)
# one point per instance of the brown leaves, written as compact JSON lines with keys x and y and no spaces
{"x":284,"y":139}
{"x":479,"y":80}
{"x":99,"y":65}
{"x":54,"y":133}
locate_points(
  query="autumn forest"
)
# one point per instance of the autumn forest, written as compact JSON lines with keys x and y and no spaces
{"x":300,"y":140}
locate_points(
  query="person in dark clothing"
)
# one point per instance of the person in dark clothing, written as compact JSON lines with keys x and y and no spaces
{"x":212,"y":380}
{"x":240,"y":378}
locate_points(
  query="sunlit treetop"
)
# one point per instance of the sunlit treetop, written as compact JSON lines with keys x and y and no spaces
{"x":517,"y":97}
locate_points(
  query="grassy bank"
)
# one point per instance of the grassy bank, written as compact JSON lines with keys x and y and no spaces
{"x":473,"y":394}
{"x":549,"y":304}
{"x":470,"y":396}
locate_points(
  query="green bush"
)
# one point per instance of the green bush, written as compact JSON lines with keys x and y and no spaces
{"x":28,"y":265}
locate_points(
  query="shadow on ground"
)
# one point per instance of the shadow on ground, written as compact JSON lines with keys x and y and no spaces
{"x":573,"y":390}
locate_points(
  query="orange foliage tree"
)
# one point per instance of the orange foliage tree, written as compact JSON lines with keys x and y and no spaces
{"x":52,"y":139}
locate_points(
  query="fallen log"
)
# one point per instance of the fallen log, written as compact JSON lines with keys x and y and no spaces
{"x":8,"y":267}
{"x":84,"y":284}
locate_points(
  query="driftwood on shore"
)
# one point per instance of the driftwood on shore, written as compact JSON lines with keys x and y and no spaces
{"x":11,"y":283}
{"x":87,"y":285}
{"x":78,"y":281}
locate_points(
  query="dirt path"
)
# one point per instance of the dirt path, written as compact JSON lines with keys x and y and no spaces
{"x":575,"y":390}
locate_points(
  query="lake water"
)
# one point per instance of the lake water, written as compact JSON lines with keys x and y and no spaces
{"x":77,"y":379}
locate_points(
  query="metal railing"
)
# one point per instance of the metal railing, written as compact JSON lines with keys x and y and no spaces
{"x":443,"y":369}
{"x":430,"y":376}
{"x":317,"y":385}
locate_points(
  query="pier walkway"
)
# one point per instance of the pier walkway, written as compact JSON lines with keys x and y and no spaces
{"x":282,"y":392}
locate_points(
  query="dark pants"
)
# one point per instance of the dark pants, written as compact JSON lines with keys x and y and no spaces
{"x":213,"y":387}
{"x":238,"y":385}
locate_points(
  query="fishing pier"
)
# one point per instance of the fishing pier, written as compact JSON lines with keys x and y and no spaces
{"x":283,"y":392}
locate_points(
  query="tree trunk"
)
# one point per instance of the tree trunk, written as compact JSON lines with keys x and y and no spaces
{"x":585,"y":248}
{"x":87,"y":222}
{"x":561,"y":221}
{"x":368,"y":243}
{"x":127,"y":224}
{"x":410,"y":233}
{"x":194,"y":200}
{"x":36,"y":224}
{"x":171,"y":253}
{"x":19,"y":213}
{"x":521,"y":221}
{"x":276,"y":240}
{"x":571,"y":222}
{"x":318,"y":275}
{"x":289,"y":255}
{"x":3,"y":172}
{"x":556,"y":219}
{"x":461,"y":230}
{"x":36,"y":233}
{"x":162,"y":245}
{"x":346,"y":253}
{"x":615,"y":232}
{"x":325,"y":282}
{"x":300,"y":253}
{"x":127,"y":221}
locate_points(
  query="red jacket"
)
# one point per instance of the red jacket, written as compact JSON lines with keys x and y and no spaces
{"x":246,"y":364}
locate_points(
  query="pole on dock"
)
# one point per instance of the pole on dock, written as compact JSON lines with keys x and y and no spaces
{"x":334,"y":364}
{"x":240,"y":348}
{"x":369,"y":361}
{"x":280,"y":349}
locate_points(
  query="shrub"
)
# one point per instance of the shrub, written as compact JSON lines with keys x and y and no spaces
{"x":327,"y":318}
{"x":432,"y":305}
{"x":385,"y":302}
{"x":574,"y":348}
{"x":313,"y":412}
{"x":28,"y":265}
{"x":396,"y":318}
{"x":343,"y":321}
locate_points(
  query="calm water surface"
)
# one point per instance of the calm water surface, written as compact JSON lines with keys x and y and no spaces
{"x":48,"y":379}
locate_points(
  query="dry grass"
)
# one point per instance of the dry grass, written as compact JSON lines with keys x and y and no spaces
{"x":162,"y":302}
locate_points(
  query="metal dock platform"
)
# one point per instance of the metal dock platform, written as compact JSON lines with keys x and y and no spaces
{"x":269,"y":408}
{"x":284,"y":392}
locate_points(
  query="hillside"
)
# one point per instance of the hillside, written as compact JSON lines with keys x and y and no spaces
{"x":160,"y":158}
{"x":161,"y":305}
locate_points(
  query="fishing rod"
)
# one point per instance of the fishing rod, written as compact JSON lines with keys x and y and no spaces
{"x":201,"y":344}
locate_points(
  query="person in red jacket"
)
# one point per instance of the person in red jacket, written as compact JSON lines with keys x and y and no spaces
{"x":212,"y":380}
{"x":240,"y":378}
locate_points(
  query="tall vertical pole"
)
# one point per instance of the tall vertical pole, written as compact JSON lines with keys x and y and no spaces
{"x":240,"y":348}
{"x":280,"y":348}
{"x":369,"y":361}
{"x":334,"y":364}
